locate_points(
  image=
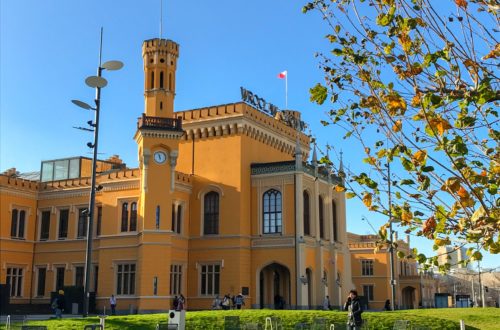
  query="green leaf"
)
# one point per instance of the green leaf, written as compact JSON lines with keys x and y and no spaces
{"x":318,"y":94}
{"x":406,"y":181}
{"x":427,"y":169}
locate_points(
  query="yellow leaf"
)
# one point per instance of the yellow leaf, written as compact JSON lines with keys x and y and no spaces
{"x":420,"y":156}
{"x":367,"y":199}
{"x":397,"y":126}
{"x":339,"y":188}
{"x":415,"y":101}
{"x":406,"y":216}
{"x":494,"y":53}
{"x":395,"y":104}
{"x":439,"y":124}
{"x":452,"y":184}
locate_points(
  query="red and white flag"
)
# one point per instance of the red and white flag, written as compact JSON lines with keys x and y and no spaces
{"x":282,"y":75}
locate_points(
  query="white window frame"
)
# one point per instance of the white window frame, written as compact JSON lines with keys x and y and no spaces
{"x":372,"y":268}
{"x":200,"y":272}
{"x":21,"y":282}
{"x":115,"y":281}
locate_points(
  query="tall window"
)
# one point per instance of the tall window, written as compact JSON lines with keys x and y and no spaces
{"x":63,"y":224}
{"x":175,"y":279}
{"x":321,"y":218}
{"x":152,"y":80}
{"x":210,"y":279}
{"x":40,"y":291}
{"x":211,"y":214}
{"x":17,"y":224}
{"x":161,"y":79}
{"x":82,"y":223}
{"x":367,"y":267}
{"x":15,"y":280}
{"x":60,"y":278}
{"x":129,"y":217}
{"x":307,"y":220}
{"x":125,"y":279}
{"x":368,"y":292}
{"x":176,"y":218}
{"x":133,"y":216}
{"x":79,"y":276}
{"x":45,"y":225}
{"x":334,"y":221}
{"x":157,"y":222}
{"x":271,"y":213}
{"x":99,"y":221}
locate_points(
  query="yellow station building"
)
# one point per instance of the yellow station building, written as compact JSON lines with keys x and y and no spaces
{"x":223,"y":202}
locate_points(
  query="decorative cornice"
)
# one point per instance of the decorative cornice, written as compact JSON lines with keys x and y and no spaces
{"x":18,"y":193}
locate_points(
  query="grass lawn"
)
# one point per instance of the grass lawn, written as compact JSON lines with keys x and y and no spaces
{"x":475,"y":318}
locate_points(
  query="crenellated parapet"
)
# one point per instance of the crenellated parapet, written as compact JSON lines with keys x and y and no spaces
{"x":242,"y":119}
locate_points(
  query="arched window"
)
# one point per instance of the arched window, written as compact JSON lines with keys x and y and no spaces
{"x":161,"y":79}
{"x":133,"y":216}
{"x":124,"y":226}
{"x":211,"y":214}
{"x":271,"y":213}
{"x":334,"y":221}
{"x":307,"y":221}
{"x":321,"y":218}
{"x":152,"y":80}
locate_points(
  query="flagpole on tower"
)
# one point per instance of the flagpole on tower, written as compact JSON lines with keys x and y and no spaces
{"x":161,"y":18}
{"x":286,"y":90}
{"x":284,"y":75}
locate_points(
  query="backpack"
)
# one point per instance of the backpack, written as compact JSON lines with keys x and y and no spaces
{"x":54,"y":304}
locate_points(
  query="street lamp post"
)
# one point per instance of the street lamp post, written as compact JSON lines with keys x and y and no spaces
{"x":391,"y":240}
{"x":96,"y":82}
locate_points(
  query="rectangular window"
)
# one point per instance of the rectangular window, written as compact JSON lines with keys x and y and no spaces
{"x":125,"y":279}
{"x":175,"y":279}
{"x":368,"y":292}
{"x":63,"y":224}
{"x":61,"y":169}
{"x":367,"y":267}
{"x":176,"y":218}
{"x":82,"y":223}
{"x":60,"y":278}
{"x":15,"y":280}
{"x":45,"y":226}
{"x":99,"y":221}
{"x":210,"y":279}
{"x":40,"y":291}
{"x":79,"y":276}
{"x":17,"y":223}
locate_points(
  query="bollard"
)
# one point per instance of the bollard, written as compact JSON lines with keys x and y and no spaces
{"x":462,"y":325}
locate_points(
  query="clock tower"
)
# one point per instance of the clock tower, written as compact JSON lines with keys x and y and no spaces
{"x":157,"y":137}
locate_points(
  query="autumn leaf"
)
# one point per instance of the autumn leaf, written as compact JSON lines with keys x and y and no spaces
{"x":462,"y":193}
{"x":367,"y":199}
{"x":494,"y":53}
{"x":440,"y":125}
{"x":406,"y":216}
{"x":452,"y":184}
{"x":429,"y":226}
{"x":339,"y":188}
{"x":395,"y":104}
{"x":461,"y":3}
{"x":397,"y":126}
{"x":420,"y":156}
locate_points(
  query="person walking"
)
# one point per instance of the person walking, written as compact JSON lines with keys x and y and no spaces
{"x":326,"y":303}
{"x":353,"y":306}
{"x":181,"y":302}
{"x":59,"y":304}
{"x":239,"y":301}
{"x":225,"y":302}
{"x":112,"y":303}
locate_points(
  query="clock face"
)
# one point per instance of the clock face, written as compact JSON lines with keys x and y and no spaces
{"x":160,"y":157}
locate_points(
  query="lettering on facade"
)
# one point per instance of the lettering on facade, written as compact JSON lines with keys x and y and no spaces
{"x":268,"y":108}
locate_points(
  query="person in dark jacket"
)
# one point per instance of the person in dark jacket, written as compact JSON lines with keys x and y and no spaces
{"x":59,"y":304}
{"x":387,"y":305}
{"x":353,"y":306}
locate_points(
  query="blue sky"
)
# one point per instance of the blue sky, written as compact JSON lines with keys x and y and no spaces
{"x":49,"y":47}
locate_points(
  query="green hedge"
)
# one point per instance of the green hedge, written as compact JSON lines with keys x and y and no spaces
{"x":441,"y":319}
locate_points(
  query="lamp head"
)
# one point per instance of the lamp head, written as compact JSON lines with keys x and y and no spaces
{"x":112,"y":65}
